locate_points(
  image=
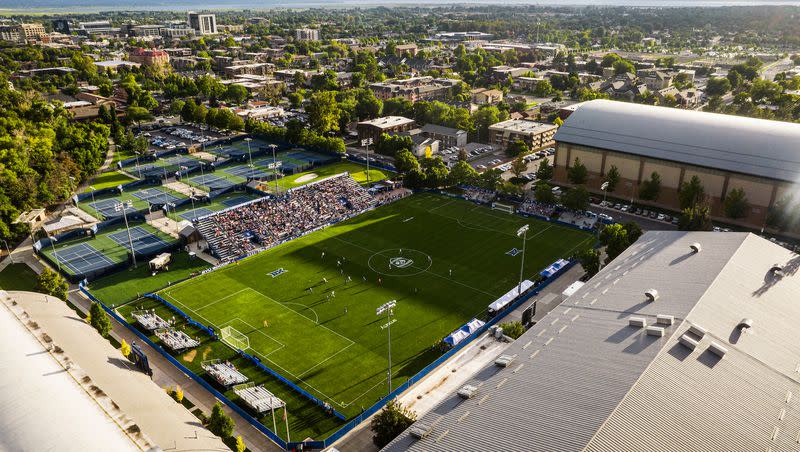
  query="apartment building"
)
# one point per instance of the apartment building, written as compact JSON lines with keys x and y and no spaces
{"x":306,"y":34}
{"x":535,"y":134}
{"x":387,"y":124}
{"x":415,"y":88}
{"x":203,"y":24}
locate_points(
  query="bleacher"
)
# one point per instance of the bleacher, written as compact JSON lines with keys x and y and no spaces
{"x":224,"y":373}
{"x":176,"y":340}
{"x":240,"y":230}
{"x":150,"y":320}
{"x":258,"y":398}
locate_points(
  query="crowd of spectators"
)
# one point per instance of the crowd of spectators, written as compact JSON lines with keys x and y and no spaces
{"x":479,"y":195}
{"x":532,"y":207}
{"x":268,"y":221}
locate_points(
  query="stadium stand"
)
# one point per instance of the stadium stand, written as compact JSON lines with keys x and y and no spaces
{"x":479,"y":195}
{"x":224,"y":373}
{"x":258,"y":398}
{"x":240,"y":230}
{"x":176,"y":340}
{"x":150,"y":320}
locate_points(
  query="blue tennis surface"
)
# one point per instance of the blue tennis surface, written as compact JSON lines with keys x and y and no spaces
{"x":180,"y":160}
{"x":82,"y":258}
{"x":211,"y":181}
{"x":192,"y":215}
{"x":155,"y":196}
{"x":106,"y":208}
{"x":311,"y":157}
{"x":143,"y":241}
{"x":235,"y":201}
{"x":246,"y":172}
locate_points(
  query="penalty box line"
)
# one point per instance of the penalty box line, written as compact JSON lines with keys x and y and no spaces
{"x":239,"y":319}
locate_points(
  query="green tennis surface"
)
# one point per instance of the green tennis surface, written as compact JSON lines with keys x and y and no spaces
{"x":312,"y":316}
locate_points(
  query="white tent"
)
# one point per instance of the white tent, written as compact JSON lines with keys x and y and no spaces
{"x":501,"y":302}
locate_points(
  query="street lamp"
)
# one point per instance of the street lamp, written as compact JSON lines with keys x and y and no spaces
{"x":249,"y":154}
{"x":522,"y":232}
{"x":274,"y":167}
{"x":366,"y":142}
{"x":9,"y":251}
{"x":53,"y":241}
{"x":124,"y":206}
{"x":388,"y":308}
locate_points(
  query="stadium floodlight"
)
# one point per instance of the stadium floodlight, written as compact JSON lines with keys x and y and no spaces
{"x":274,"y":167}
{"x":124,"y":206}
{"x":522,"y":232}
{"x":388,"y":308}
{"x":11,"y":259}
{"x":603,"y":187}
{"x":250,"y":155}
{"x":366,"y":142}
{"x":53,"y":241}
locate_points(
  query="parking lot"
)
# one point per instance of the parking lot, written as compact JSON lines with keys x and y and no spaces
{"x":174,"y":137}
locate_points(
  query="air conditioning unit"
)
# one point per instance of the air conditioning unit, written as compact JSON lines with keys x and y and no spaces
{"x":652,"y":295}
{"x":420,"y":430}
{"x":663,"y":319}
{"x":504,"y":361}
{"x":467,"y":391}
{"x":638,"y":322}
{"x":655,"y":331}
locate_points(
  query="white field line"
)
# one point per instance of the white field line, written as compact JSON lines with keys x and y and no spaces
{"x":221,"y":299}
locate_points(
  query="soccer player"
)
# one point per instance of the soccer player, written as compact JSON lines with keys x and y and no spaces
{"x":451,"y":272}
{"x":325,"y":280}
{"x":323,"y":255}
{"x":333,"y":294}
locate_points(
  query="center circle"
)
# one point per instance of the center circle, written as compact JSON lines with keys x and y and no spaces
{"x":399,"y":262}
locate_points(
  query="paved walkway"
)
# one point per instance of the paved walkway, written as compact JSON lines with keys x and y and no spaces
{"x":162,"y":419}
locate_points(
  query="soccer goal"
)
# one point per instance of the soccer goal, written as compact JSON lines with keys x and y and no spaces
{"x":234,"y":338}
{"x":502,"y":207}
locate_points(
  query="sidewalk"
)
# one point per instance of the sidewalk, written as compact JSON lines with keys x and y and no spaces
{"x":162,"y":419}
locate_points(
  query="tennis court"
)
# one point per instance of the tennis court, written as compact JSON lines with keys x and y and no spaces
{"x":192,"y":215}
{"x":179,"y":160}
{"x":144,"y":242}
{"x":106,"y":208}
{"x":155,"y":196}
{"x":246,"y":172}
{"x":211,"y":181}
{"x":82,"y":258}
{"x":236,"y":201}
{"x":310,"y":157}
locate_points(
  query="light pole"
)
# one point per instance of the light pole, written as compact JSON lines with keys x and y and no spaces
{"x":53,"y":241}
{"x":603,"y":187}
{"x":249,"y":154}
{"x":388,"y":309}
{"x":137,"y":164}
{"x":522,"y":232}
{"x":123,"y":206}
{"x":366,"y":142}
{"x":191,"y":197}
{"x":9,"y":251}
{"x":274,"y":167}
{"x":172,"y":204}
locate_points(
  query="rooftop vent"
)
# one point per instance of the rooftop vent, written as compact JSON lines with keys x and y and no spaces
{"x":467,"y":391}
{"x":420,"y":430}
{"x":776,"y":269}
{"x":652,"y":295}
{"x":695,"y":247}
{"x":663,"y":319}
{"x":687,"y":341}
{"x":717,"y":349}
{"x":745,"y":324}
{"x":656,"y":331}
{"x":638,"y":322}
{"x":503,"y":360}
{"x":698,"y":331}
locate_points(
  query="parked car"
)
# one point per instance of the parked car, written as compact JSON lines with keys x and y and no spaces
{"x":661,"y":217}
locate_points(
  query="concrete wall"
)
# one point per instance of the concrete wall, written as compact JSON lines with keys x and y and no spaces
{"x":761,"y":193}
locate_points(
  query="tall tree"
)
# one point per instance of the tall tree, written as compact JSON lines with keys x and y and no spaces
{"x":51,"y":283}
{"x":612,"y":178}
{"x":390,"y":422}
{"x":695,"y":218}
{"x":545,"y":170}
{"x":577,"y":173}
{"x":735,"y":204}
{"x":691,"y":193}
{"x":99,"y":319}
{"x":590,"y":261}
{"x":651,"y":188}
{"x":323,"y":112}
{"x":220,"y":423}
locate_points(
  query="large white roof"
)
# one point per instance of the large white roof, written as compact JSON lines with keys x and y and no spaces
{"x":584,"y":379}
{"x":739,"y":144}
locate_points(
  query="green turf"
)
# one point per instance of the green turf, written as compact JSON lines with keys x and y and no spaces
{"x":126,"y":285}
{"x":18,"y":277}
{"x":216,"y":204}
{"x":359,"y":173}
{"x":110,"y":179}
{"x":336,"y":349}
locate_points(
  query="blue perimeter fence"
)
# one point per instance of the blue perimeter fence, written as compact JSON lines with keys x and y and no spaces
{"x":345,"y":429}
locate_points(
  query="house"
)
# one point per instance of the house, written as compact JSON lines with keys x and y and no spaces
{"x":656,"y":80}
{"x":402,"y":49}
{"x":374,"y":128}
{"x":448,"y":136}
{"x":483,"y":96}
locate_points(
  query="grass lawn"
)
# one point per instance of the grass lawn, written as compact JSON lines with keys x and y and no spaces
{"x":124,"y":286}
{"x":110,"y":179}
{"x":18,"y":277}
{"x":359,"y":173}
{"x":443,"y":260}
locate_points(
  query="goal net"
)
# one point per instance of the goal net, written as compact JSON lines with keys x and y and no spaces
{"x":234,"y":338}
{"x":503,"y":207}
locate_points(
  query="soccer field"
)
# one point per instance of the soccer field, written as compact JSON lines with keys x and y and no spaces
{"x":308,"y":306}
